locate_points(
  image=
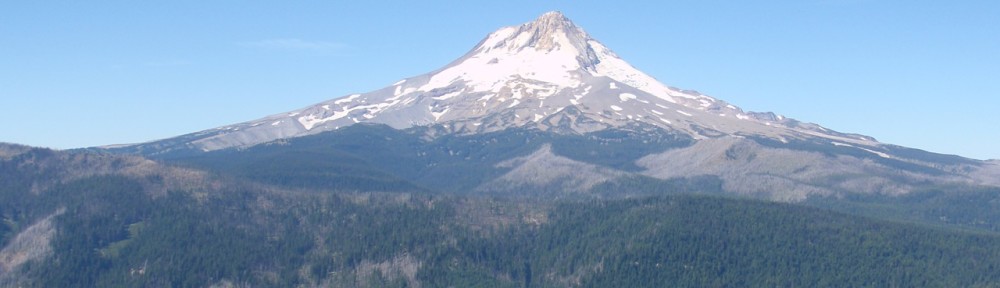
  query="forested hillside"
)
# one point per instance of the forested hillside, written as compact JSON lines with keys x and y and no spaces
{"x":368,"y":157}
{"x":111,"y":231}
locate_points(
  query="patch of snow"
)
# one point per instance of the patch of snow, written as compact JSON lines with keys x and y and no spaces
{"x":310,"y":121}
{"x":742,"y":117}
{"x":447,"y":96}
{"x":344,"y":100}
{"x":497,"y":60}
{"x":880,"y":154}
{"x":585,"y":92}
{"x":437,"y":115}
{"x":656,"y":112}
{"x":276,"y":123}
{"x":626,"y":96}
{"x":399,"y":82}
{"x":326,"y":107}
{"x":409,"y":90}
{"x":613,"y":85}
{"x":684,"y":113}
{"x":615,"y":68}
{"x":512,"y":104}
{"x":665,"y":121}
{"x":616,"y":108}
{"x":574,"y":102}
{"x":537,"y":117}
{"x":499,"y":36}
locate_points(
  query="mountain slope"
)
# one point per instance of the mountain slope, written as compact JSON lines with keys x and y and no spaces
{"x":615,"y":164}
{"x":545,"y":171}
{"x":753,"y":167}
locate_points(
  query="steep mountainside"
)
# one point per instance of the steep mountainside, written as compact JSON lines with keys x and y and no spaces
{"x":613,"y":164}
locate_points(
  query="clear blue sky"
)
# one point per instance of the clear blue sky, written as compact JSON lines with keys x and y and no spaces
{"x":923,"y":74}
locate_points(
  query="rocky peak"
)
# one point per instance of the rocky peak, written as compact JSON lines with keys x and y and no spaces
{"x":552,"y":34}
{"x":545,"y":32}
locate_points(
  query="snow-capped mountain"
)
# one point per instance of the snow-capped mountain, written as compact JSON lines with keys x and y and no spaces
{"x":550,"y":79}
{"x":548,"y":73}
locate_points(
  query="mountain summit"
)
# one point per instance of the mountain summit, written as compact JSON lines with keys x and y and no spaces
{"x":547,"y":74}
{"x":547,"y":33}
